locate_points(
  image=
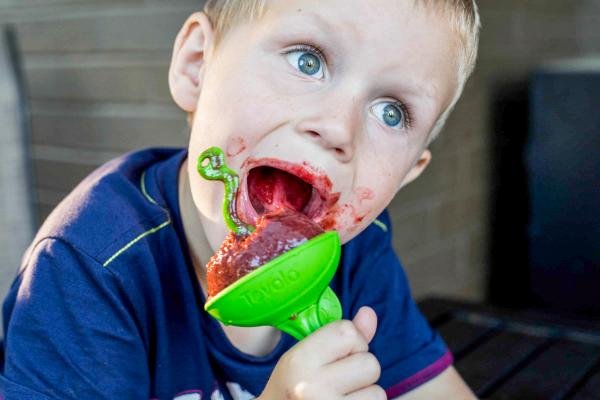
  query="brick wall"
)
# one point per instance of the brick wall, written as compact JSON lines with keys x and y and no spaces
{"x":96,"y":73}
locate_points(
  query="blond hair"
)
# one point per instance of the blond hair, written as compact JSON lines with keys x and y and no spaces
{"x":224,"y":14}
{"x":463,"y":16}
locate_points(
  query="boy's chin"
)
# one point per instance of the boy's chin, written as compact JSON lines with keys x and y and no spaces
{"x":349,"y":231}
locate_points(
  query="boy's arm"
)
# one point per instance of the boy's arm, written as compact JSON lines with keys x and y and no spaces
{"x":447,"y":385}
{"x":70,"y":334}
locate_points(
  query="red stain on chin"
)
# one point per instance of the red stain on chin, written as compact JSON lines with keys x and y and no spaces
{"x":235,"y":147}
{"x":330,"y":221}
{"x":357,"y":218}
{"x":364,"y":193}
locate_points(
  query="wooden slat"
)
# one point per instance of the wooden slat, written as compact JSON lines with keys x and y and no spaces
{"x":107,"y":30}
{"x":56,"y":10}
{"x":124,"y":132}
{"x":131,"y":83}
{"x":552,"y":374}
{"x":43,"y":211}
{"x":57,"y":175}
{"x":49,"y":197}
{"x":460,"y":336}
{"x":495,"y":359}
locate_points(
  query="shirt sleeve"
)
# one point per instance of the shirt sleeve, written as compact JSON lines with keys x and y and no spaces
{"x":68,"y":332}
{"x":409,"y":351}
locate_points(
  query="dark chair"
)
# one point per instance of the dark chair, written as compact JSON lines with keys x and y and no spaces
{"x":563,"y":164}
{"x":546,"y":217}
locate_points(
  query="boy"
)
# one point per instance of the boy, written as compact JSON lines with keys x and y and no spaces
{"x":345,"y":93}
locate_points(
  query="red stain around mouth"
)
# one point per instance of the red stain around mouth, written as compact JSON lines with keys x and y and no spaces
{"x":357,"y":217}
{"x":335,"y":211}
{"x":330,"y":221}
{"x":235,"y":146}
{"x":313,"y":176}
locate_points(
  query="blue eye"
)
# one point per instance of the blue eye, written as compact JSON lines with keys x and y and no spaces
{"x":391,"y":114}
{"x":306,"y":62}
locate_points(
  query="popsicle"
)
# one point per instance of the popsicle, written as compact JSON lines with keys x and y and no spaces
{"x":275,"y":274}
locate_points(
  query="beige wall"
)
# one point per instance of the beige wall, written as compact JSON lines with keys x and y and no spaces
{"x":97,"y":81}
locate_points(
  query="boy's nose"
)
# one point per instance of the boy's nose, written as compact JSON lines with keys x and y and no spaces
{"x":336,"y":132}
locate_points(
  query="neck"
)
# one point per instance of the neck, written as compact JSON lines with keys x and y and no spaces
{"x":198,"y":245}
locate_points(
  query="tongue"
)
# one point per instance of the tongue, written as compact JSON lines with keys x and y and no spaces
{"x":272,"y":189}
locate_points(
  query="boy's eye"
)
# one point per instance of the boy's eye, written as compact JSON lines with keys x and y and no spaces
{"x":392,"y":114}
{"x":307,"y":62}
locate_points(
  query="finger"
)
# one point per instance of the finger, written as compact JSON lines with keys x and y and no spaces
{"x":365,"y":321}
{"x":372,"y":392}
{"x":332,"y":342}
{"x":355,"y":372}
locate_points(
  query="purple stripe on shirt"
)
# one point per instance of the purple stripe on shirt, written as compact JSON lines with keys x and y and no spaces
{"x":421,"y":377}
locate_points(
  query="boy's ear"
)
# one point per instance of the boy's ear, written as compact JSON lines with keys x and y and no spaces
{"x":192,"y":44}
{"x":418,"y":168}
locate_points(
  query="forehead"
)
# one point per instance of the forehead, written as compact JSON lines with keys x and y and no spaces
{"x":388,"y":38}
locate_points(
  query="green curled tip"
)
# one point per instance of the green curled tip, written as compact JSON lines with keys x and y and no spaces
{"x":211,"y":166}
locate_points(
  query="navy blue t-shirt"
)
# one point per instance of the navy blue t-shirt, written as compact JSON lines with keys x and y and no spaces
{"x":106,"y":304}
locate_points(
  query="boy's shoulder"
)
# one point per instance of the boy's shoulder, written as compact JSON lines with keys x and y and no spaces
{"x":112,"y":206}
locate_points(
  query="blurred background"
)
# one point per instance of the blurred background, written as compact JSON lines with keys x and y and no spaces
{"x":84,"y":81}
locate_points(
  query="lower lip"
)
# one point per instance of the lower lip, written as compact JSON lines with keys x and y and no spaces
{"x":244,"y":207}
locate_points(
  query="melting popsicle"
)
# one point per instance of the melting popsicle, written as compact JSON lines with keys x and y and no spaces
{"x":248,"y":287}
{"x":246,"y":248}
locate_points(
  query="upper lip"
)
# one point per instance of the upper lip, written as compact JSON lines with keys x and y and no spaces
{"x":322,"y":198}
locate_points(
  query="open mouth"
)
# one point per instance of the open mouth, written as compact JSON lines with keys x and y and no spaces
{"x":283,"y":186}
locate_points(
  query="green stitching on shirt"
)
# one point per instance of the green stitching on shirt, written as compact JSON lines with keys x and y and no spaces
{"x":143,"y":235}
{"x":143,"y":185}
{"x":134,"y":241}
{"x":381,"y":225}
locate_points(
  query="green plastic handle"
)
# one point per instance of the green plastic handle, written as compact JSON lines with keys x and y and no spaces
{"x":326,"y":310}
{"x":290,"y":292}
{"x":212,"y":166}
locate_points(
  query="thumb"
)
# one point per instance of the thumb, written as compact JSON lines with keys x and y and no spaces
{"x":365,"y":321}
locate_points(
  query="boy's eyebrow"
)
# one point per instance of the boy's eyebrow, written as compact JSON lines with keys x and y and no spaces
{"x":320,"y":21}
{"x":325,"y":26}
{"x":412,"y":87}
{"x":416,"y":89}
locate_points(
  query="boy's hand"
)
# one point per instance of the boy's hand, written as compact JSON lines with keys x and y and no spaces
{"x":332,"y":363}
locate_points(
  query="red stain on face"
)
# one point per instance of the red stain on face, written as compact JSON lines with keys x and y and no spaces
{"x":338,"y":214}
{"x":364,"y":193}
{"x":235,"y":146}
{"x":329,"y":222}
{"x":356,"y":217}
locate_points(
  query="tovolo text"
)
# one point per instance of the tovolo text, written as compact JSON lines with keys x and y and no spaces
{"x":276,"y":284}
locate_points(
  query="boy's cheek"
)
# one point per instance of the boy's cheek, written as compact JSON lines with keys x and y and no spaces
{"x":350,"y":217}
{"x":235,"y":146}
